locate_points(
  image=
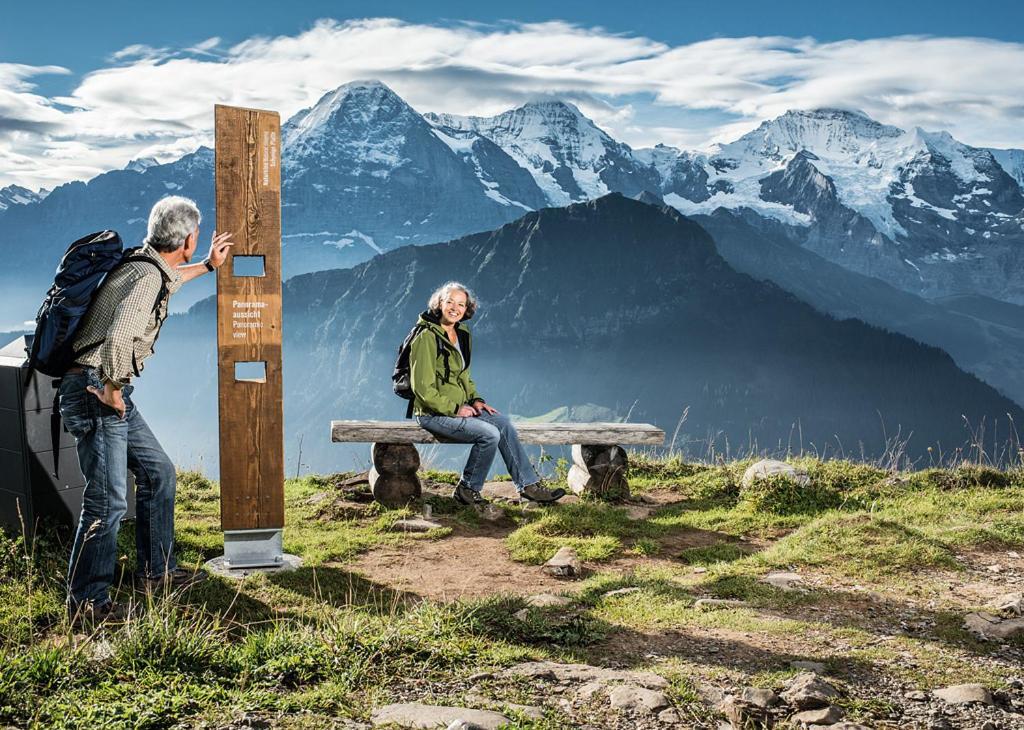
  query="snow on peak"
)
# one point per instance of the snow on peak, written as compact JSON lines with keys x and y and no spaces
{"x":554,"y":141}
{"x":356,"y":107}
{"x":142,"y":164}
{"x":963,"y":160}
{"x":17,"y":195}
{"x":824,"y":131}
{"x":1012,"y":161}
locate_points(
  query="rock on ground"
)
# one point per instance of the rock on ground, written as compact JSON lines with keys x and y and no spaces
{"x":626,"y":697}
{"x":415,"y":524}
{"x":822,"y":716}
{"x":964,"y":694}
{"x":564,"y":564}
{"x":417,"y":716}
{"x":985,"y":625}
{"x":547,"y":600}
{"x":782,"y":580}
{"x":807,"y":691}
{"x":584,"y":673}
{"x":759,"y":697}
{"x":770,"y":468}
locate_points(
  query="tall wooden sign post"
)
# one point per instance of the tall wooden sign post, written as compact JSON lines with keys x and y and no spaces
{"x":248,"y":184}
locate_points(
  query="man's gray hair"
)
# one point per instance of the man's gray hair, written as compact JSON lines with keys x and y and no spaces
{"x":170,"y":222}
{"x":441,"y":294}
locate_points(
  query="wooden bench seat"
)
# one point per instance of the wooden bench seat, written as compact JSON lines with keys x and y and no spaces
{"x":598,"y":460}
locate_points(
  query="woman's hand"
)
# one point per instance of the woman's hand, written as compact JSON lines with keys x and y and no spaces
{"x":484,"y":407}
{"x":466,"y":412}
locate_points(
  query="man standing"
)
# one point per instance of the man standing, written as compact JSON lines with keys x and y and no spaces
{"x":117,"y":334}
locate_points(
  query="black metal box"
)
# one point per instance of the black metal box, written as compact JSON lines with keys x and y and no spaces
{"x":29,"y":492}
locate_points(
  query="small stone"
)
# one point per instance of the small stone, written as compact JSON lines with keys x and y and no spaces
{"x":415,"y":524}
{"x":807,"y":666}
{"x":669,"y":716}
{"x":700,"y":569}
{"x":522,"y":614}
{"x":589,"y":689}
{"x":989,"y":725}
{"x":463,"y":725}
{"x":583,"y":673}
{"x":417,"y":716}
{"x":759,"y":697}
{"x":627,"y":697}
{"x":547,"y":600}
{"x":711,"y":604}
{"x":782,"y":580}
{"x":480,"y":676}
{"x":995,"y":568}
{"x":808,"y":692}
{"x":772,"y":467}
{"x":917,"y":695}
{"x":741,"y":714}
{"x":564,"y":564}
{"x":1010,"y":605}
{"x":621,"y":592}
{"x":964,"y":694}
{"x":823,"y":716}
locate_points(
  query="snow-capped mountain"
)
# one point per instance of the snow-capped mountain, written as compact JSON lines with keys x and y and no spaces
{"x":917,"y":209}
{"x":17,"y":195}
{"x":364,"y":172}
{"x":1012,"y":161}
{"x":569,"y":157}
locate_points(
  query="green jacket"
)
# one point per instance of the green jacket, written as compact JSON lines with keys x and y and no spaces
{"x":434,"y":395}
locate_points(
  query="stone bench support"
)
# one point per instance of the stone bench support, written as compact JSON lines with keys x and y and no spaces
{"x":599,"y":462}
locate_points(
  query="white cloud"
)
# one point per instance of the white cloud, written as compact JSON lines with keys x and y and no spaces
{"x":158,"y":102}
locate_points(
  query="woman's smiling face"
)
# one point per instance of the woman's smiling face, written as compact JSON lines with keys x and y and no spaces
{"x":453,"y":307}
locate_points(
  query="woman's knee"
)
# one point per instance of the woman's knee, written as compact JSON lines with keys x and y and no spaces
{"x":488,"y":433}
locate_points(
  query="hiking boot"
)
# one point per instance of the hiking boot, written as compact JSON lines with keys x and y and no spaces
{"x":89,"y":615}
{"x":541,"y":494}
{"x":465,"y":494}
{"x":171,"y":580}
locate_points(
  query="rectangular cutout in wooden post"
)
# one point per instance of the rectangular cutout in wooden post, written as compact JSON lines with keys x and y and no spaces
{"x":248,"y":265}
{"x":248,"y":190}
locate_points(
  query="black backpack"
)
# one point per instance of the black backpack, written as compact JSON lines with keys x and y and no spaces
{"x":401,"y":378}
{"x":82,"y":270}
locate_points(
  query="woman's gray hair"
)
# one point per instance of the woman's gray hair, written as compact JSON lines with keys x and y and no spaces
{"x":170,"y":222}
{"x":441,"y":294}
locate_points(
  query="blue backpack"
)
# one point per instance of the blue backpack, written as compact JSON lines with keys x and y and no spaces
{"x":81,"y":272}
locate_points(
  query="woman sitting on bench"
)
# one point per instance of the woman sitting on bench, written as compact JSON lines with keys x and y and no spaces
{"x":447,"y":404}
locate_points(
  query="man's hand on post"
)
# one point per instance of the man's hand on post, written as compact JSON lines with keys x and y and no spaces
{"x":219,"y":245}
{"x":109,"y":397}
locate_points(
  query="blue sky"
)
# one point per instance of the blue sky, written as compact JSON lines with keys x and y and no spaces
{"x":86,"y":87}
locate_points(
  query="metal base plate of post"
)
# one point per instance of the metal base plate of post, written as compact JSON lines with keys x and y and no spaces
{"x":253,"y":551}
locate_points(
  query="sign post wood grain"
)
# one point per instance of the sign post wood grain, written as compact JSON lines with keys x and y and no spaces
{"x":248,"y":195}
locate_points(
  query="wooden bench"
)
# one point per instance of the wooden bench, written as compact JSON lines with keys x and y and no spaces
{"x":598,"y":459}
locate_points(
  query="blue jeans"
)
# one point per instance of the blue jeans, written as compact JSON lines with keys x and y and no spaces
{"x":489,"y":434}
{"x":108,"y":446}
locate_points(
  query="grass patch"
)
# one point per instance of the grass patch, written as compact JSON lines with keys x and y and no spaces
{"x":322,"y":643}
{"x":596,"y":531}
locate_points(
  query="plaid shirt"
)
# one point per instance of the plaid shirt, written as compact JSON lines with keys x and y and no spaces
{"x":123,"y":318}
